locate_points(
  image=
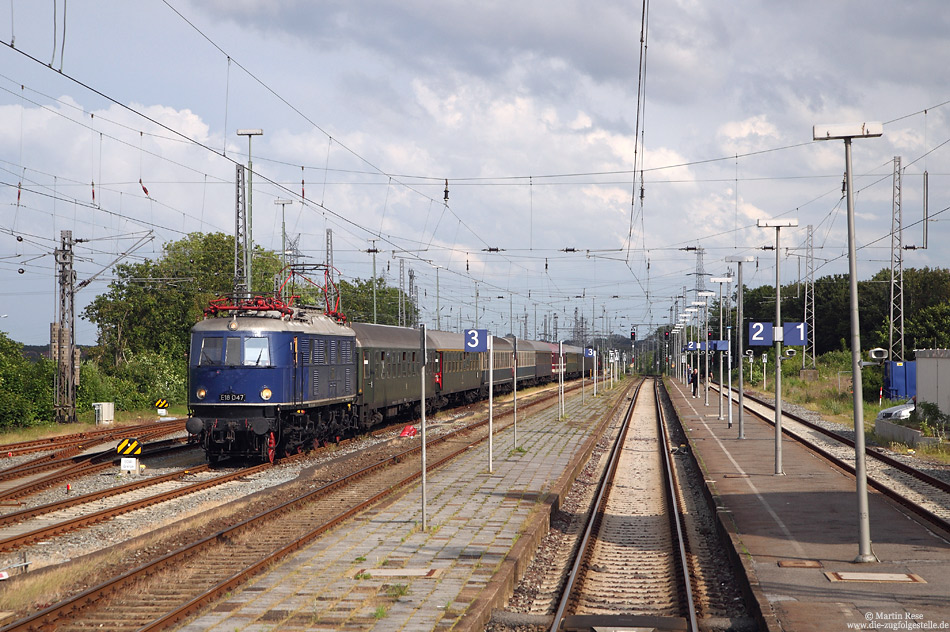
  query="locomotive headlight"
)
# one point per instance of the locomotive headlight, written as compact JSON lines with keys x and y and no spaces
{"x":201,"y":393}
{"x":266,"y":393}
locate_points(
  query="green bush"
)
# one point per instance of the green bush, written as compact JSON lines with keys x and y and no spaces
{"x":136,"y":384}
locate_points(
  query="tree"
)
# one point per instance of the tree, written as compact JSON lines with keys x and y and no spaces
{"x":26,"y":388}
{"x":151,"y":305}
{"x":357,"y":302}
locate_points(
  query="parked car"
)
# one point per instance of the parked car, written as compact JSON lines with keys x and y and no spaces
{"x":901,"y":411}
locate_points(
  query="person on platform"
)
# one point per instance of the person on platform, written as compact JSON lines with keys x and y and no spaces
{"x":694,"y":380}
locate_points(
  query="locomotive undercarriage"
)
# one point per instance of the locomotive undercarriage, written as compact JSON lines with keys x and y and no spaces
{"x":271,"y":433}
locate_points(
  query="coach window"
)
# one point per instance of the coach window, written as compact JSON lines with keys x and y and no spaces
{"x":232,"y":351}
{"x":256,"y":352}
{"x":211,"y":351}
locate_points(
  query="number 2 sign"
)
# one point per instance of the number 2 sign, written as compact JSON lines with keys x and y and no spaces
{"x":760,"y":334}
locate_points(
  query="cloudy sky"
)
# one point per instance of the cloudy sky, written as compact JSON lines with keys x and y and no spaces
{"x":555,"y":129}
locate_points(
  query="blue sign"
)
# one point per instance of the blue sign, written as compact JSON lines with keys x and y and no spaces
{"x":796,"y":334}
{"x":760,"y":334}
{"x":476,"y":340}
{"x":588,"y":353}
{"x":793,"y":334}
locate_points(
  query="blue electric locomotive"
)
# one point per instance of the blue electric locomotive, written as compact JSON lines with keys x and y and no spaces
{"x":265,"y":376}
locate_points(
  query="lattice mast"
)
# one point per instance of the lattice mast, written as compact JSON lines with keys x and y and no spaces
{"x":700,"y":270}
{"x":242,"y":254}
{"x":402,"y":293}
{"x":896,"y":330}
{"x":332,"y":289}
{"x":809,"y":297}
{"x":62,"y":341}
{"x":412,"y":296}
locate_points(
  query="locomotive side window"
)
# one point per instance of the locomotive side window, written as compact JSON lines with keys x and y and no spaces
{"x":211,"y":351}
{"x":232,"y":352}
{"x":256,"y":352}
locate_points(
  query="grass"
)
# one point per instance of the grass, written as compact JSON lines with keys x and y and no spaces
{"x":86,"y":421}
{"x":397,"y":590}
{"x":832,"y":398}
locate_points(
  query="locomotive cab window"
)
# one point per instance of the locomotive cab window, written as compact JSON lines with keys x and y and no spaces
{"x":232,"y":351}
{"x":210,"y":354}
{"x":256,"y":352}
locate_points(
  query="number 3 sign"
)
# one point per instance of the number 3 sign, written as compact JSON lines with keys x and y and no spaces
{"x":476,"y":340}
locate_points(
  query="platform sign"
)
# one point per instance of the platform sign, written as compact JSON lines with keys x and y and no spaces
{"x":588,"y":352}
{"x":792,"y":334}
{"x":796,"y":334}
{"x":476,"y":340}
{"x":760,"y":334}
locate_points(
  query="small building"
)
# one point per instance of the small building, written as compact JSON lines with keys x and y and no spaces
{"x":933,"y":377}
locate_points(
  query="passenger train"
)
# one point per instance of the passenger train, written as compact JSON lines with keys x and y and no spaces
{"x":268,"y":379}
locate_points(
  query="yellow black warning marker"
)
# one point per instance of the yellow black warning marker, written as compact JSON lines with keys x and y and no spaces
{"x":129,"y":446}
{"x":162,"y":403}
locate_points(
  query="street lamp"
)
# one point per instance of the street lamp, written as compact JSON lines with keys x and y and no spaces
{"x":250,"y":222}
{"x":778,"y":225}
{"x":722,"y":391}
{"x":846,"y":133}
{"x":739,"y":332}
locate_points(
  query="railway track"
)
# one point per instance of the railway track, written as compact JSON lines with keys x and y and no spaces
{"x":90,"y":438}
{"x":78,"y":457}
{"x":926,"y":495}
{"x":226,"y":557}
{"x":632,"y":569}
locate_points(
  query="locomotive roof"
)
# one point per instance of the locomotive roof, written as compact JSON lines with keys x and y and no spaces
{"x":303,"y":321}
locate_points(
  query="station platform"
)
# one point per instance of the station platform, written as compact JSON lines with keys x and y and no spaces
{"x":797,"y":533}
{"x":381,"y":571}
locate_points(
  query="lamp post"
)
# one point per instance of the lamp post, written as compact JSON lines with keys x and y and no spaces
{"x":846,"y":133}
{"x":777,"y":337}
{"x":739,"y":330}
{"x":283,"y":239}
{"x":722,"y":392}
{"x":250,"y":222}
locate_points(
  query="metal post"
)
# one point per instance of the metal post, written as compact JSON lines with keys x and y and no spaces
{"x":847,"y":132}
{"x":740,"y":329}
{"x":374,"y":250}
{"x":865,"y":554}
{"x":777,"y":335}
{"x":729,"y":372}
{"x":560,"y":366}
{"x":722,"y":393}
{"x":491,"y":401}
{"x":250,"y":215}
{"x":514,"y":342}
{"x":283,"y":242}
{"x":778,"y":357}
{"x":422,"y":373}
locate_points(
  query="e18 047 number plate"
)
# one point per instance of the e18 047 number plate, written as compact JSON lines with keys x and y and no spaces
{"x":231,"y":397}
